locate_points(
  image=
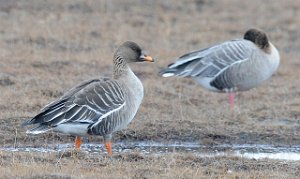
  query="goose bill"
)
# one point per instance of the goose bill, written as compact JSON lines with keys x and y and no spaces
{"x":147,"y":58}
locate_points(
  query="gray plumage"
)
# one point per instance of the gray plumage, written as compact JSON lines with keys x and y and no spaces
{"x":99,"y":106}
{"x":235,"y":65}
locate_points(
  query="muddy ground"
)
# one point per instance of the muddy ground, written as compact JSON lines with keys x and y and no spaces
{"x":47,"y":47}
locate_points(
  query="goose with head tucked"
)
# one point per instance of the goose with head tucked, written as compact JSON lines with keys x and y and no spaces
{"x":235,"y":65}
{"x":99,"y":106}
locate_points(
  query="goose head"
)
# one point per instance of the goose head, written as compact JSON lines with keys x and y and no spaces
{"x":131,"y":52}
{"x":258,"y":37}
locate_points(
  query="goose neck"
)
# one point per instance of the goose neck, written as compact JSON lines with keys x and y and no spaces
{"x":120,"y":68}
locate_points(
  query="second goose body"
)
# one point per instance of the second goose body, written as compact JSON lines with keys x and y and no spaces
{"x":235,"y":65}
{"x":99,"y":106}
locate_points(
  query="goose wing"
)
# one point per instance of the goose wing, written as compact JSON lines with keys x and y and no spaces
{"x":89,"y":102}
{"x":211,"y":61}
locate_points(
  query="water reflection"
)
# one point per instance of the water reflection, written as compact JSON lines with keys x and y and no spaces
{"x":154,"y":148}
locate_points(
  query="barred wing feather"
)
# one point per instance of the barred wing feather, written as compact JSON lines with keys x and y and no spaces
{"x":212,"y":61}
{"x":87,"y":103}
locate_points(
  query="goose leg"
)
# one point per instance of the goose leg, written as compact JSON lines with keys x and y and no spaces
{"x":108,"y":147}
{"x":108,"y":144}
{"x":231,"y":100}
{"x":78,"y":143}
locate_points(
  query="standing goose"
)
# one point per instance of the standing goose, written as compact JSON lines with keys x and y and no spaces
{"x":235,"y":65}
{"x":99,"y":106}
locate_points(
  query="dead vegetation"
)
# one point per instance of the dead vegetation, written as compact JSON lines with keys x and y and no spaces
{"x":72,"y":165}
{"x":47,"y":47}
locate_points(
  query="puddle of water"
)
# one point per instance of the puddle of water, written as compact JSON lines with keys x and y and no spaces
{"x":279,"y":156}
{"x":154,"y":148}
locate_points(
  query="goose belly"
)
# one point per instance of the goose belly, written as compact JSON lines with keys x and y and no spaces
{"x":76,"y":129}
{"x":205,"y":83}
{"x":243,"y":76}
{"x":133,"y":102}
{"x":240,"y":77}
{"x":116,"y":121}
{"x":120,"y":119}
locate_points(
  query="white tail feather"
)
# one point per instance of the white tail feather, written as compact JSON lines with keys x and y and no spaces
{"x":37,"y":130}
{"x":167,"y":74}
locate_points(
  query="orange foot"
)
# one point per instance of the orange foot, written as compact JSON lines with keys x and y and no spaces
{"x":78,"y":143}
{"x":108,"y":148}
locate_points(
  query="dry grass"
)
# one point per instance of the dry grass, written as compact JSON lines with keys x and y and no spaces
{"x":47,"y":47}
{"x":78,"y":165}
